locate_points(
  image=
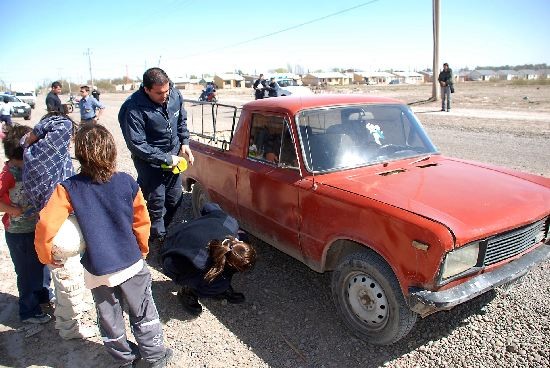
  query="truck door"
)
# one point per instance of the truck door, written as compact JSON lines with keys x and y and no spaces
{"x":266,"y":185}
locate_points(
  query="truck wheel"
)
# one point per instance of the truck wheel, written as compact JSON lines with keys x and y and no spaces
{"x":28,"y":117}
{"x":369,"y":299}
{"x":199,"y":197}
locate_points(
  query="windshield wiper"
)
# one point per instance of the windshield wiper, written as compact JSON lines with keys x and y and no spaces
{"x":420,"y":160}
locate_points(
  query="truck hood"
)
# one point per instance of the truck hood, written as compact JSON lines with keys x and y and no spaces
{"x":472,"y":200}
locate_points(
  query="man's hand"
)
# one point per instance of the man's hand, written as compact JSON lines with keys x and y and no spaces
{"x":187,"y":151}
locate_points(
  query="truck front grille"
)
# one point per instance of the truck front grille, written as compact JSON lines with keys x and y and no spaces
{"x":512,"y":243}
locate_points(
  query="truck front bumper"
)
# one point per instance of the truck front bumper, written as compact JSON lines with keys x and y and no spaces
{"x":425,"y":302}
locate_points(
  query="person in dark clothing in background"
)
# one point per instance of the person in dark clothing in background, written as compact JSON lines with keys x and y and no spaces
{"x":446,"y":82}
{"x":202,"y":256}
{"x":53,"y":103}
{"x":95,"y":94}
{"x":154,"y":125}
{"x":259,"y":87}
{"x":273,"y":88}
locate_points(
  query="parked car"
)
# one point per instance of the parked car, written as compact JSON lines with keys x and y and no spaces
{"x":289,"y":87}
{"x":21,"y":109}
{"x":353,"y":184}
{"x":28,"y":97}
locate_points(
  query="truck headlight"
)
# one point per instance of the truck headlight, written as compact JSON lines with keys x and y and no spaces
{"x":460,"y":260}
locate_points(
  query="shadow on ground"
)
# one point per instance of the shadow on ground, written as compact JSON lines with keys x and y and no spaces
{"x":289,"y":313}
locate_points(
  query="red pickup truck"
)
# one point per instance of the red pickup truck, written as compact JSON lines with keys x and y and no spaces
{"x":352,"y":184}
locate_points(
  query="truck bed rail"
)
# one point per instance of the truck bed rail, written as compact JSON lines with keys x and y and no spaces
{"x":211,"y":123}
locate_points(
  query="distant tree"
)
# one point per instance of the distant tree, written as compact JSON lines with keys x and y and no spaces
{"x":280,"y":70}
{"x":514,"y":67}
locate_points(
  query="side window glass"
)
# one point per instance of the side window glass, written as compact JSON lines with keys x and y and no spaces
{"x":270,"y":141}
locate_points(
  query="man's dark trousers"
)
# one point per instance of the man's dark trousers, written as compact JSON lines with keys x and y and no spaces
{"x":163,"y":192}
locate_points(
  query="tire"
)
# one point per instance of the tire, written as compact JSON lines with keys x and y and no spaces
{"x":369,"y":299}
{"x":28,"y":117}
{"x":199,"y":197}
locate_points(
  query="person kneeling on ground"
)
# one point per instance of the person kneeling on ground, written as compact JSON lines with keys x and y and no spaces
{"x":202,"y":256}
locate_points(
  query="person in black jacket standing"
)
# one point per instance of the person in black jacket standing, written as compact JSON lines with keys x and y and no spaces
{"x":446,"y":82}
{"x":259,"y":87}
{"x":154,"y":125}
{"x":202,"y":255}
{"x":53,"y":103}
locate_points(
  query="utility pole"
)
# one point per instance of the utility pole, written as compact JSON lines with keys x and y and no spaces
{"x":88,"y":53}
{"x":435,"y":68}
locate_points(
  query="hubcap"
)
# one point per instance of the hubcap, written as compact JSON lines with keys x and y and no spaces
{"x":367,"y":300}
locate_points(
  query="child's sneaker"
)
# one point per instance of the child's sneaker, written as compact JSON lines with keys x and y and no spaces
{"x":38,"y":319}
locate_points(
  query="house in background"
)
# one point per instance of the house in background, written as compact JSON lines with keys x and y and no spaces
{"x":126,"y":87}
{"x":482,"y":75}
{"x":463,"y":76}
{"x":181,"y":82}
{"x":229,"y":81}
{"x":409,"y":77}
{"x":326,"y":79}
{"x":426,"y":75}
{"x":528,"y":74}
{"x":372,"y":77}
{"x":543,"y":74}
{"x":507,"y":74}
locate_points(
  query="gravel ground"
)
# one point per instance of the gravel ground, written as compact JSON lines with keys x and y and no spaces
{"x":289,"y":320}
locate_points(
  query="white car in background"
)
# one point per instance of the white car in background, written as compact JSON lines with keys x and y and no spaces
{"x":28,"y":97}
{"x":290,"y":87}
{"x":20,"y":109}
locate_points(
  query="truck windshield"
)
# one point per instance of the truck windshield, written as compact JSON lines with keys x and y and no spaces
{"x":359,"y":135}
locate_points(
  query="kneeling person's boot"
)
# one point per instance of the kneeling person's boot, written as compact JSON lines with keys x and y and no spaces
{"x":189,"y":301}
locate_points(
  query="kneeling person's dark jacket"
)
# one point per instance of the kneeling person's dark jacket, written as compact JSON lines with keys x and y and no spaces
{"x":186,"y":258}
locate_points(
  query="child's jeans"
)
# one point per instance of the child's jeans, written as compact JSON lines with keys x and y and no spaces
{"x":30,"y":274}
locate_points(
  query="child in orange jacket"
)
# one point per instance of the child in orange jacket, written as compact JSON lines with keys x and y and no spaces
{"x":111,"y":211}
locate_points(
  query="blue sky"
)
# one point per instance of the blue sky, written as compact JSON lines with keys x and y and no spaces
{"x":46,"y":40}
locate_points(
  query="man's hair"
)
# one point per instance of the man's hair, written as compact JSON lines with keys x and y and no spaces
{"x":6,"y":99}
{"x":56,"y":84}
{"x":86,"y":88}
{"x":95,"y":149}
{"x":445,"y":64}
{"x":154,"y":76}
{"x":12,"y":148}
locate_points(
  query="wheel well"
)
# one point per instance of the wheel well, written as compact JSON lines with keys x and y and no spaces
{"x":340,"y":249}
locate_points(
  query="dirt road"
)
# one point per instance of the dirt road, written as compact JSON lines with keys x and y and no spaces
{"x":289,"y":319}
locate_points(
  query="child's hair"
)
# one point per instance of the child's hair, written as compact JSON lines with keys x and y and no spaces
{"x":237,"y":255}
{"x":95,"y":149}
{"x":12,"y":148}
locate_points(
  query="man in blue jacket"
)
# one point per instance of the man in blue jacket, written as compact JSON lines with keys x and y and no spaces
{"x":154,"y":125}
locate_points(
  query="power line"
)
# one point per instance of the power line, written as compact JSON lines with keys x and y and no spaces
{"x":285,"y":29}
